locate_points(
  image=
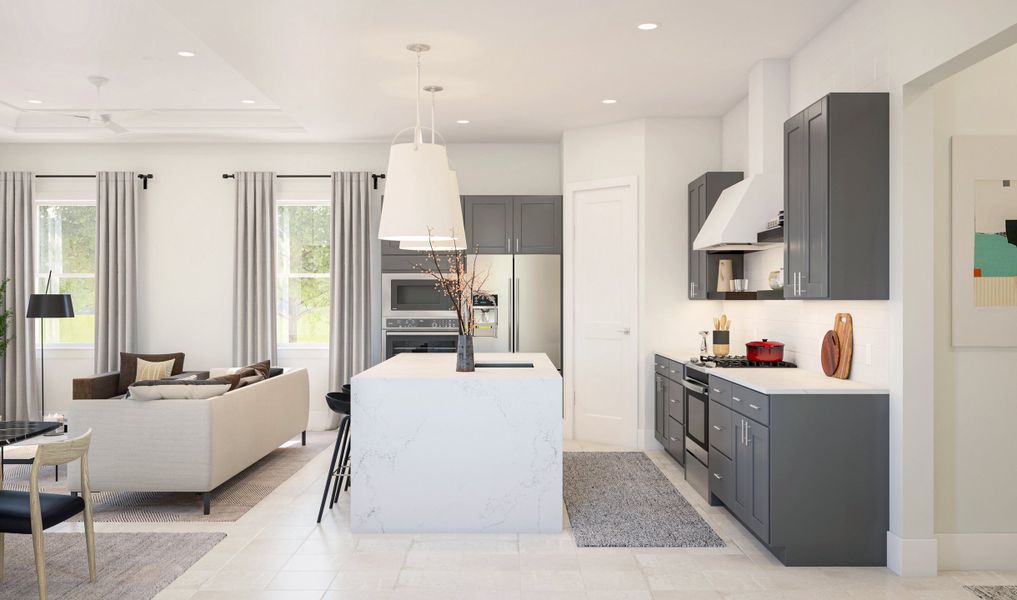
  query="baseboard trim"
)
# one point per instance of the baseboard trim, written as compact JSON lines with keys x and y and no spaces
{"x":911,"y":557}
{"x":977,"y":551}
{"x":647,"y":440}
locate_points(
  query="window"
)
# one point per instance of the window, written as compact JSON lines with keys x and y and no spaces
{"x":303,"y":262}
{"x":65,"y":238}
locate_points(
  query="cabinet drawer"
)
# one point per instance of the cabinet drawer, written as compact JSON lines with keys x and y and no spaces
{"x":751,"y":403}
{"x":660,"y":364}
{"x":721,"y":476}
{"x":674,"y":440}
{"x":675,"y":370}
{"x":722,"y":435}
{"x":675,"y":404}
{"x":720,"y":391}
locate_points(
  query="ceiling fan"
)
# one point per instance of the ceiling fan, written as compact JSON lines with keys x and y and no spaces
{"x":96,"y":117}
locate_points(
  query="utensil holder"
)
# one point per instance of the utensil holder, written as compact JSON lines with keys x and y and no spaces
{"x":721,"y":342}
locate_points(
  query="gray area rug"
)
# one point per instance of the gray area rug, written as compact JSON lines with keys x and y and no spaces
{"x":622,"y":499}
{"x":129,"y":566}
{"x":993,"y":592}
{"x":230,"y":501}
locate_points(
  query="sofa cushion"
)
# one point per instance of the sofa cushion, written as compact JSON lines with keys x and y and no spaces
{"x":129,"y":366}
{"x":250,"y":380}
{"x":148,"y":370}
{"x":177,"y":390}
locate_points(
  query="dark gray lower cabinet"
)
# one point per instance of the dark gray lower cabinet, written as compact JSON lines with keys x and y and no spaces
{"x":813,"y":484}
{"x":659,"y":411}
{"x":669,"y":407}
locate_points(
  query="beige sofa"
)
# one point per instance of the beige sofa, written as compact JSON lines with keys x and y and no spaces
{"x":188,"y":445}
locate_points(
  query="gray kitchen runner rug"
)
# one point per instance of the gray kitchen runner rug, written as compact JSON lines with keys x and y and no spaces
{"x":622,"y":499}
{"x":230,"y":501}
{"x":129,"y":566}
{"x":993,"y":592}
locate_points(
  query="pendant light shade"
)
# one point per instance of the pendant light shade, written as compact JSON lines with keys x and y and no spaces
{"x":457,"y":241}
{"x":419,"y":187}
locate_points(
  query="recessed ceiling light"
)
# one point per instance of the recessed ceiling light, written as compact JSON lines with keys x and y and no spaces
{"x":34,"y":101}
{"x":185,"y":54}
{"x":463,"y":121}
{"x":648,"y":26}
{"x":248,"y":101}
{"x":609,"y":101}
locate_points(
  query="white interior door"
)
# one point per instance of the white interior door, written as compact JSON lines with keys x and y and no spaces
{"x":601,"y":299}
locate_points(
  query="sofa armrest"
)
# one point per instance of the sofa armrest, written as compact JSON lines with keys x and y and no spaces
{"x":96,"y":387}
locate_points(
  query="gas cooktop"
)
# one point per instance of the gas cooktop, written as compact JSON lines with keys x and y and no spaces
{"x":733,"y":362}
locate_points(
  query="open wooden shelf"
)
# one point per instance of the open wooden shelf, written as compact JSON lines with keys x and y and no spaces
{"x":757,"y":295}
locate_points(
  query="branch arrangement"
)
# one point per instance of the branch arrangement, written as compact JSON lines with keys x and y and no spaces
{"x":457,"y":282}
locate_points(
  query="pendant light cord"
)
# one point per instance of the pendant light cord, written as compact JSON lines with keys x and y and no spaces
{"x":417,"y":134}
{"x":432,"y":115}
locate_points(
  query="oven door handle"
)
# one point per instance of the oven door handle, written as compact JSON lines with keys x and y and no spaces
{"x":438,"y":333}
{"x":693,"y":387}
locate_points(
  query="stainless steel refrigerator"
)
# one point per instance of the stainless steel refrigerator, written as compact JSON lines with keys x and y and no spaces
{"x":528,"y":288}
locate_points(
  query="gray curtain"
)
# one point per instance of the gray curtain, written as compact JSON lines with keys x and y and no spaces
{"x":254,"y":335}
{"x":349,"y":346}
{"x":17,"y":264}
{"x":116,"y":272}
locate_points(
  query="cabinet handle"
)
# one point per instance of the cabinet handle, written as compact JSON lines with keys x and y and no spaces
{"x":673,"y":439}
{"x":517,"y":244}
{"x":753,"y":407}
{"x":673,"y":400}
{"x":748,"y":438}
{"x":717,"y":427}
{"x":736,"y":398}
{"x":718,"y":476}
{"x":508,"y":244}
{"x":672,"y":371}
{"x":716,"y":390}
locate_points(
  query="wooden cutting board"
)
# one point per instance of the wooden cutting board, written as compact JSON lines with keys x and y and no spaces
{"x":830,"y":353}
{"x":843,"y":327}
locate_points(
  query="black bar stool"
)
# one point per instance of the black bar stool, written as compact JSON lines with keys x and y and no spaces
{"x":338,"y":469}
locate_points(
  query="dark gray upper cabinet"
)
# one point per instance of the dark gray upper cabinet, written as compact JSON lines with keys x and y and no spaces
{"x":488,"y":221}
{"x":537,"y":224}
{"x":836,"y":199}
{"x":513,"y":224}
{"x":703,"y":194}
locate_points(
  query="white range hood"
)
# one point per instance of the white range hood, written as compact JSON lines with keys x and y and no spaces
{"x":744,"y":209}
{"x":741,"y":212}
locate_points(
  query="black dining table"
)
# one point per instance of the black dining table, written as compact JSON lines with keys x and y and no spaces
{"x":12,"y":432}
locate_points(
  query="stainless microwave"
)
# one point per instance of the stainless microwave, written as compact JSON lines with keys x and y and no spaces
{"x":413,"y":295}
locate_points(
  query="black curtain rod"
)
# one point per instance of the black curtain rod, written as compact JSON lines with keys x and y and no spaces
{"x":374,"y":177}
{"x":143,"y":177}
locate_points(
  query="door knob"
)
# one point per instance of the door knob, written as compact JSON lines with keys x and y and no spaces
{"x":625,"y":331}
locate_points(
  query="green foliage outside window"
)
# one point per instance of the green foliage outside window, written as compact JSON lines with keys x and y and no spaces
{"x":66,"y":238}
{"x":303,"y":264}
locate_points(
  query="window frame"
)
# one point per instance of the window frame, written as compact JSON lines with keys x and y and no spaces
{"x":37,"y":205}
{"x":297,"y":201}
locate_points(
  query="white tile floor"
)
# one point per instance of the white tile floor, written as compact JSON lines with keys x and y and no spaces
{"x":276,"y":552}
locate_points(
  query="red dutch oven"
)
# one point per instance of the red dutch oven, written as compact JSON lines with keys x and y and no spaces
{"x":764,"y":351}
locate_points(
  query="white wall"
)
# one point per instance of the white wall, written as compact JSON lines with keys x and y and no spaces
{"x":665,"y":154}
{"x":735,"y":138}
{"x":186,"y":231}
{"x":975,"y":406}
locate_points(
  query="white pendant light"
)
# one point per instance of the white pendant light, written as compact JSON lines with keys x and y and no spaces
{"x":458,"y":241}
{"x":419,"y":187}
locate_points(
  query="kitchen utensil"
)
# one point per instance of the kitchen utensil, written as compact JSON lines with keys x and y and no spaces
{"x":716,"y":323}
{"x":721,"y":342}
{"x":723,"y":322}
{"x":764,"y":351}
{"x":739,"y":285}
{"x":842,"y":324}
{"x":829,"y":353}
{"x":776,"y":279}
{"x":725,"y":273}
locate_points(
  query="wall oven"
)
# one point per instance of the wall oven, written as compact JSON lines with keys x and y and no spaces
{"x":413,"y":295}
{"x":419,"y":335}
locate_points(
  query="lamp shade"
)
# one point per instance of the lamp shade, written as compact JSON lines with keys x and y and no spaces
{"x":419,"y":188}
{"x":49,"y":306}
{"x":458,"y":242}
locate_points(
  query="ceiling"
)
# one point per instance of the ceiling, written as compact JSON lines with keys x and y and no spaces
{"x":338,"y":71}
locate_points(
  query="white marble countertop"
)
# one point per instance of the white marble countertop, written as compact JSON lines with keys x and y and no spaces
{"x":782,"y":381}
{"x":443,"y":366}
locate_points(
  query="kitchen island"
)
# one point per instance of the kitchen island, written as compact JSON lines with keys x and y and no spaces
{"x":436,"y":451}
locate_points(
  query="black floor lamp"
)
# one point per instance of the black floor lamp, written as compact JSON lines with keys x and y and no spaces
{"x":47,"y":306}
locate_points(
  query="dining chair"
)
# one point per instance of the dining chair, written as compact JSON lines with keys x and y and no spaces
{"x":32,"y":511}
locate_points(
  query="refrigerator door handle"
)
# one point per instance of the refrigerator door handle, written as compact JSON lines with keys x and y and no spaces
{"x":515,"y":309}
{"x":512,"y":316}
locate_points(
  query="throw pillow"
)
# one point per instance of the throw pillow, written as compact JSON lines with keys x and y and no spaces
{"x":235,"y":377}
{"x":251,"y":379}
{"x":129,"y":366}
{"x":147,"y":370}
{"x":177,"y":390}
{"x":263,"y":368}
